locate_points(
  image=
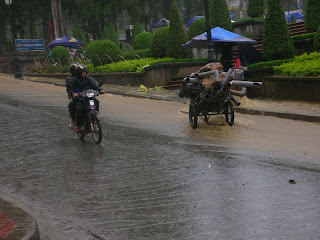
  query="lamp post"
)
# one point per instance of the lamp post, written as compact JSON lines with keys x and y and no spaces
{"x":16,"y":61}
{"x":211,"y":52}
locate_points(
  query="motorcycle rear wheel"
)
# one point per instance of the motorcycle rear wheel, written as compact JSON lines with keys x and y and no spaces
{"x":97,"y":132}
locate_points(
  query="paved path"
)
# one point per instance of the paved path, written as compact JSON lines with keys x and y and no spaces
{"x":27,"y":227}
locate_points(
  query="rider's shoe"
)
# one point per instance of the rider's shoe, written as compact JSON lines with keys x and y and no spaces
{"x":72,"y":124}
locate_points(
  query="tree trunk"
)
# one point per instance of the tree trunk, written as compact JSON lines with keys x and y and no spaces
{"x":3,"y":38}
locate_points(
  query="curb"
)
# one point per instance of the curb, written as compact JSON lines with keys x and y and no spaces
{"x":25,"y":226}
{"x":293,"y":116}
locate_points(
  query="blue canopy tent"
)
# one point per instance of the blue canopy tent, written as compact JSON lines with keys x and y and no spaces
{"x":298,"y":16}
{"x":222,"y":36}
{"x":219,"y":34}
{"x":66,"y":41}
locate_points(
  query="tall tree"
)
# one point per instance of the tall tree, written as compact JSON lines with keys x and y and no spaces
{"x":277,"y":42}
{"x":109,"y":33}
{"x":219,"y":15}
{"x":177,"y":35}
{"x":255,"y":8}
{"x":312,"y":20}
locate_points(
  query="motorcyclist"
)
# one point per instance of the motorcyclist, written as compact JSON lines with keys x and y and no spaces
{"x":78,"y":84}
{"x":71,"y":105}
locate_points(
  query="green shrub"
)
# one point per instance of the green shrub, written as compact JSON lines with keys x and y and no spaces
{"x":277,"y":43}
{"x":100,"y":52}
{"x":142,"y":40}
{"x":316,"y":41}
{"x":268,"y":64}
{"x":136,"y":54}
{"x":219,"y":15}
{"x":304,"y":65}
{"x":312,"y":16}
{"x":61,"y":55}
{"x":109,"y":33}
{"x":197,"y":28}
{"x":159,"y":43}
{"x":255,"y":8}
{"x":176,"y":35}
{"x":78,"y":33}
{"x":137,"y":29}
{"x":136,"y":65}
{"x":303,"y":36}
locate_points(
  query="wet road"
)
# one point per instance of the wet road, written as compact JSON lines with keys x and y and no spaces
{"x":153,"y":177}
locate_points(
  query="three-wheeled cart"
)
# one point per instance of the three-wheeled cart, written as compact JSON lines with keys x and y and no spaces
{"x":206,"y":106}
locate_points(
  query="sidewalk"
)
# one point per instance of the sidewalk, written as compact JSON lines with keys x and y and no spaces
{"x":16,"y":223}
{"x":295,"y":110}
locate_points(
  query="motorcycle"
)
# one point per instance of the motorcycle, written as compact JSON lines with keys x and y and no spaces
{"x":91,"y":120}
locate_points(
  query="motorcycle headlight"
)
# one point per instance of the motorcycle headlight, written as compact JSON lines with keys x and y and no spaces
{"x":90,"y":95}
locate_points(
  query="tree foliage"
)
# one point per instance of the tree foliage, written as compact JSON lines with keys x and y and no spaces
{"x":277,"y":43}
{"x":312,"y":18}
{"x":142,"y":41}
{"x":137,"y":29}
{"x":177,"y":36}
{"x":159,"y":43}
{"x":316,"y":41}
{"x":197,"y":28}
{"x":255,"y":8}
{"x":60,"y":54}
{"x":101,"y":52}
{"x":219,"y":15}
{"x":109,"y":33}
{"x":79,"y":34}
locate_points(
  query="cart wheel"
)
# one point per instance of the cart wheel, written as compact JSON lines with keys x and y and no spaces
{"x":229,"y":113}
{"x":193,"y":115}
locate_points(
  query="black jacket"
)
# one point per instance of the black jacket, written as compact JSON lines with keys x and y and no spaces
{"x":76,"y":85}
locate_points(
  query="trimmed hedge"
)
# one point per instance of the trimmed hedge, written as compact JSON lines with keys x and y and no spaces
{"x":177,"y":35}
{"x":136,"y":54}
{"x":304,"y":65}
{"x":269,"y":64}
{"x":316,"y":41}
{"x":142,"y":41}
{"x":100,"y":52}
{"x":60,"y":55}
{"x":277,"y":42}
{"x":312,"y":16}
{"x":255,"y":8}
{"x":136,"y":65}
{"x":219,"y":15}
{"x":303,"y":36}
{"x":159,"y":43}
{"x":197,"y":28}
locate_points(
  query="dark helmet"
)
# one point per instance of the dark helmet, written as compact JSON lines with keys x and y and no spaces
{"x":73,"y":68}
{"x":80,"y":68}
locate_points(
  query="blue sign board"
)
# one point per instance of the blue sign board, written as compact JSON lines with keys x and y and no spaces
{"x":30,"y":45}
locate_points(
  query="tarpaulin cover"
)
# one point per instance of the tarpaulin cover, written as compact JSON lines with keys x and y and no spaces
{"x":192,"y":20}
{"x":296,"y":14}
{"x":159,"y":23}
{"x":219,"y":34}
{"x":66,"y":41}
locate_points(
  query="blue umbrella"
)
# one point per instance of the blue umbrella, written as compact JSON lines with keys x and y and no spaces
{"x":66,"y":41}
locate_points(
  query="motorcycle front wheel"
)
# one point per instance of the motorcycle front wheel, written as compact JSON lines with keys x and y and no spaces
{"x":97,"y":132}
